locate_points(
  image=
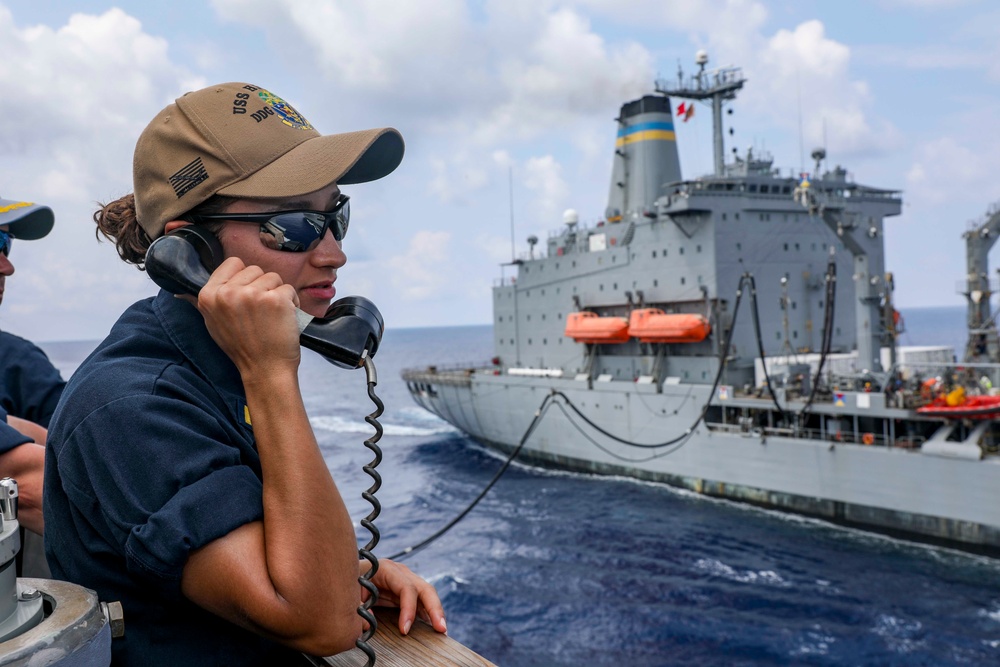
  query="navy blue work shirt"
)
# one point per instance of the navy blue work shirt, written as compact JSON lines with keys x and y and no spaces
{"x":9,"y":437}
{"x":30,"y":385}
{"x":150,"y":456}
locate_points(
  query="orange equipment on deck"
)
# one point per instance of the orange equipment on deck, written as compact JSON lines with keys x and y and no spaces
{"x":587,"y":327}
{"x":652,"y":325}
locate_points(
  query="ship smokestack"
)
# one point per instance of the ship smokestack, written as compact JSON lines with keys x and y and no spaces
{"x":645,"y":158}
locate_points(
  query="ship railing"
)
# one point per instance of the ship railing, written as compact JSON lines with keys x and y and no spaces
{"x":847,"y":437}
{"x":466,"y":368}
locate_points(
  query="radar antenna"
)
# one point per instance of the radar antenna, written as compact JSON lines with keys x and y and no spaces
{"x":715,"y":85}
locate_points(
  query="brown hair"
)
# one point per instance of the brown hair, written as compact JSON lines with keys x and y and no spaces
{"x":117,"y":222}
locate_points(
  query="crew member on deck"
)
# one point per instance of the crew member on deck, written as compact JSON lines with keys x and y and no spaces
{"x":30,"y":387}
{"x":182,"y":475}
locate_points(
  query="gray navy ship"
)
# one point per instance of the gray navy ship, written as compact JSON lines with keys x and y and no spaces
{"x":735,"y":335}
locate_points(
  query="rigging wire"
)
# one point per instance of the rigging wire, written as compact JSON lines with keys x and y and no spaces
{"x":542,"y":409}
{"x":760,"y":340}
{"x":826,"y":344}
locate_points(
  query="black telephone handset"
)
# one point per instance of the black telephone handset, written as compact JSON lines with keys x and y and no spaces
{"x":182,"y":261}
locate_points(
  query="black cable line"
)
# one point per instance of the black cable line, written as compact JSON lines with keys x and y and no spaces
{"x":364,"y":610}
{"x":827,"y":341}
{"x":760,"y":341}
{"x":409,"y":551}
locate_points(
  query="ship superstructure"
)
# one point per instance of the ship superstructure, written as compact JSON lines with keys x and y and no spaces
{"x":733,"y":334}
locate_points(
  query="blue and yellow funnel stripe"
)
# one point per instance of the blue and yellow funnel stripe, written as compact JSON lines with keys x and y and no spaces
{"x":660,"y":130}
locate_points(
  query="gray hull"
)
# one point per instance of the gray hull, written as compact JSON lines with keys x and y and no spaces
{"x":894,"y":489}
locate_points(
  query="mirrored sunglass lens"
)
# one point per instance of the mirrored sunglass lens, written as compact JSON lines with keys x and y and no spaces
{"x":343,"y":217}
{"x":300,"y":231}
{"x":6,"y":240}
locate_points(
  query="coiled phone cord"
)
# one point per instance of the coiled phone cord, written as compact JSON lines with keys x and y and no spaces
{"x":364,"y":610}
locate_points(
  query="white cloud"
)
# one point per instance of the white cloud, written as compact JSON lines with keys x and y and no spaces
{"x":84,"y":92}
{"x":944,"y":167}
{"x":418,"y":272}
{"x":543,"y":177}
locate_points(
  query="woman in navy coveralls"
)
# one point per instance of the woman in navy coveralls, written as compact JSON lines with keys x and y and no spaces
{"x":182,"y":475}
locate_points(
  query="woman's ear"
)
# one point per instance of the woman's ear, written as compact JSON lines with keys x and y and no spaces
{"x":174,"y":224}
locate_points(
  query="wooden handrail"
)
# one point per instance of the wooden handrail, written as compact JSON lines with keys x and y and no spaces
{"x":423,"y":647}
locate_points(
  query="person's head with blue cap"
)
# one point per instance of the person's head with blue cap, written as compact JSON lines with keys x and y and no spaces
{"x":20,"y":220}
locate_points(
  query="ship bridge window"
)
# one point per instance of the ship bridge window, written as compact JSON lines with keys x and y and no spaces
{"x":752,"y":188}
{"x":682,"y":250}
{"x":529,"y":317}
{"x":600,"y":287}
{"x":786,"y":246}
{"x":763,"y":189}
{"x":543,"y":315}
{"x":656,"y":283}
{"x":545,"y":341}
{"x":525,"y":269}
{"x":786,"y":190}
{"x":697,"y":248}
{"x":682,"y":280}
{"x":614,"y":286}
{"x":723,"y":216}
{"x":736,"y":216}
{"x":654,"y":254}
{"x":739,"y":246}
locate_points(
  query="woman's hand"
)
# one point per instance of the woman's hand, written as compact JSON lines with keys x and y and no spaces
{"x":251,"y":315}
{"x":399,"y":587}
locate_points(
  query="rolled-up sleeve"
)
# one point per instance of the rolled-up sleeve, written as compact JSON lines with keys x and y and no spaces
{"x":9,"y":436}
{"x":166,"y":476}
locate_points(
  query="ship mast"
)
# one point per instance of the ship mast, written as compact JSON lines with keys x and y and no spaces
{"x":716,"y":85}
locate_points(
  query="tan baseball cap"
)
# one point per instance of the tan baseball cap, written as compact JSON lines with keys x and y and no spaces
{"x":240,"y":140}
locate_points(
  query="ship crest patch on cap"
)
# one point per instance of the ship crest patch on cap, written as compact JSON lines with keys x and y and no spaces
{"x":289,"y":116}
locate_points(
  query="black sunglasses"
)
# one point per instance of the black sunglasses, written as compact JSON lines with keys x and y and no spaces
{"x":6,"y":241}
{"x":292,"y":231}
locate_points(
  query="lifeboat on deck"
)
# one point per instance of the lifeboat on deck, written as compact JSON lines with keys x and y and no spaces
{"x":973,"y":407}
{"x":652,"y":325}
{"x":587,"y":327}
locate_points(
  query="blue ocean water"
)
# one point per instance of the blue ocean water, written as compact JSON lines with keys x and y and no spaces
{"x":567,"y":569}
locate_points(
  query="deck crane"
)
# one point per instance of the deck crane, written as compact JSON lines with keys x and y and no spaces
{"x":983,"y":344}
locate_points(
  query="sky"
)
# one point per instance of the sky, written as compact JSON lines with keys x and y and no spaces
{"x":507,"y":108}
